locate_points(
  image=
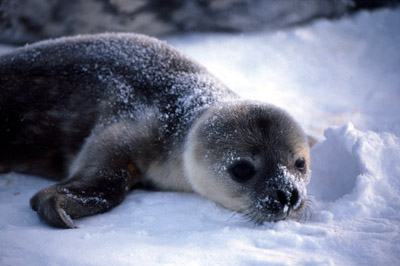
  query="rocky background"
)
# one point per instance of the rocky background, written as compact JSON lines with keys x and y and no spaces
{"x":23,"y":21}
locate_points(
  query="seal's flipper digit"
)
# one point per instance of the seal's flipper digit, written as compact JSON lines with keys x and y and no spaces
{"x":48,"y":203}
{"x":59,"y":204}
{"x":100,"y":177}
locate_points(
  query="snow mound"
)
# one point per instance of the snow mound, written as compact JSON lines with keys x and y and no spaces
{"x":356,"y":174}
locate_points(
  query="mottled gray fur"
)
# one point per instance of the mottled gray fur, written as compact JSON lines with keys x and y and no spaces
{"x":108,"y":112}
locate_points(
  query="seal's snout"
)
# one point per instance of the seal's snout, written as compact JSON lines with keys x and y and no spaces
{"x":288,"y":198}
{"x":279,"y":201}
{"x":282,"y":202}
{"x":294,"y":199}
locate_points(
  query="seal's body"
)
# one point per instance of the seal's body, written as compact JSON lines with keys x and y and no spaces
{"x":111,"y":111}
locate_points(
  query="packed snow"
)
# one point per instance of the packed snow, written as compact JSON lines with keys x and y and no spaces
{"x":341,"y":80}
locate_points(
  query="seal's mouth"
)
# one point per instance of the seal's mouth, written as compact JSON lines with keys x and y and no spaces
{"x":278,"y":209}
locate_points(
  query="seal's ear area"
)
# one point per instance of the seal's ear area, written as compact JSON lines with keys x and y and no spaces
{"x":311,"y":141}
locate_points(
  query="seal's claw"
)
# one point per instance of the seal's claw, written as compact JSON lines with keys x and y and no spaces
{"x":50,"y":206}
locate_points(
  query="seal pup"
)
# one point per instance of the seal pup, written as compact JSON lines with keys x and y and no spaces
{"x":107,"y":112}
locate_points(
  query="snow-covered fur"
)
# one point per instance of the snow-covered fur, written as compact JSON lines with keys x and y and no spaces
{"x":112,"y":111}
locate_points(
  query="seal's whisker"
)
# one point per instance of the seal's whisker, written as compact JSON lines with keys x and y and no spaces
{"x":308,"y":209}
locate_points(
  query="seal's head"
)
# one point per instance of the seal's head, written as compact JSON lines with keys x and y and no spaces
{"x":249,"y":157}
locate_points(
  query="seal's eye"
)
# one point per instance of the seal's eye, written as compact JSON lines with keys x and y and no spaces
{"x":300,"y":164}
{"x":241,"y":171}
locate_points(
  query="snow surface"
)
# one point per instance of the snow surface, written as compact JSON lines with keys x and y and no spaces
{"x":341,"y":77}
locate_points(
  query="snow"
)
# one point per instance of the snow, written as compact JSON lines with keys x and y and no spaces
{"x":340,"y":79}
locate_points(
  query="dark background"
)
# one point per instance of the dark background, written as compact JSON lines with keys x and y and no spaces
{"x":23,"y":21}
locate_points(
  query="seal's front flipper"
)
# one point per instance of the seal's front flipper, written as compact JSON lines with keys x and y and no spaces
{"x":101,"y":175}
{"x":50,"y":206}
{"x":59,"y":204}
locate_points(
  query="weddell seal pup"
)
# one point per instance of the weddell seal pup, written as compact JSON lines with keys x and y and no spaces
{"x":106,"y":113}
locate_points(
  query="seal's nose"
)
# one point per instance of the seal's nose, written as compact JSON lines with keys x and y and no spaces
{"x":288,"y":197}
{"x":294,"y":199}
